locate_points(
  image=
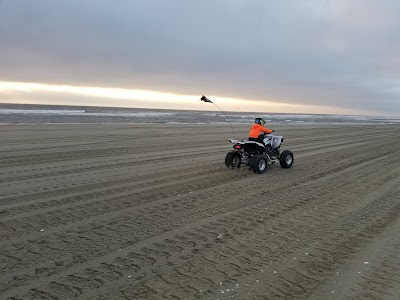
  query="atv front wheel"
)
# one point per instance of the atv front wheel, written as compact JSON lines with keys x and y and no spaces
{"x":259,"y":164}
{"x":233,"y":160}
{"x":286,"y":159}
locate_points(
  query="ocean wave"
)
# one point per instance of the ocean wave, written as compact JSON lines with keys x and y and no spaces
{"x":84,"y":113}
{"x":41,"y":111}
{"x":51,"y":114}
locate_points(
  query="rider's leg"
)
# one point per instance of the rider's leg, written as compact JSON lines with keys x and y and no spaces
{"x":261,"y":138}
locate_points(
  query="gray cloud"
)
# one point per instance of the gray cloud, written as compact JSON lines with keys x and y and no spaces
{"x":337,"y":53}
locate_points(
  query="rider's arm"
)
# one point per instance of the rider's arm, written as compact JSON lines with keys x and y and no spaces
{"x":265,"y":130}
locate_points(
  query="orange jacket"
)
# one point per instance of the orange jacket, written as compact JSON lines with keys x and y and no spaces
{"x":257,"y":129}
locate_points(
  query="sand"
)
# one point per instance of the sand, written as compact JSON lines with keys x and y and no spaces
{"x":151,"y":212}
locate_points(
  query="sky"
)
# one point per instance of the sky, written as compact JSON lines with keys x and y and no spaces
{"x":310,"y":56}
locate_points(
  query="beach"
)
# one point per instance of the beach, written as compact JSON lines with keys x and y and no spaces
{"x":149,"y":211}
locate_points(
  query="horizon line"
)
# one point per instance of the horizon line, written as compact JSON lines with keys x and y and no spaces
{"x":173,"y":109}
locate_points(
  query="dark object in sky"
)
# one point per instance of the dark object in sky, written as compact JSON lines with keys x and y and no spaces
{"x":205,"y":99}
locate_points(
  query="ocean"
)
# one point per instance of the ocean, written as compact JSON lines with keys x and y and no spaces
{"x":44,"y":114}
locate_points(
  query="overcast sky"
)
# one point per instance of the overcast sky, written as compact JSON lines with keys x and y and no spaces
{"x":339,"y":55}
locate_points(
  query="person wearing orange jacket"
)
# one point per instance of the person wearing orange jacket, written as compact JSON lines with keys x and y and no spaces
{"x":257,"y":131}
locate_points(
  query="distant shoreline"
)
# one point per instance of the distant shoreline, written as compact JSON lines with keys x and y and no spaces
{"x":64,"y":114}
{"x":116,"y":108}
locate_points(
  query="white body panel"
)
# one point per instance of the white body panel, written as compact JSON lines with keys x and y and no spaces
{"x":273,"y":140}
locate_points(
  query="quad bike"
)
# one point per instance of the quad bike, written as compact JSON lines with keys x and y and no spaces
{"x":258,"y":155}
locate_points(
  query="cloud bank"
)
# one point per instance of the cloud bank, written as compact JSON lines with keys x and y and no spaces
{"x":336,"y":53}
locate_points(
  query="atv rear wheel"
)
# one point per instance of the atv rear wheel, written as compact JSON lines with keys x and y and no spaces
{"x":286,"y":159}
{"x":233,"y":160}
{"x":259,"y":164}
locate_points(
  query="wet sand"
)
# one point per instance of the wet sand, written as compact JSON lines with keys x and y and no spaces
{"x":151,"y":212}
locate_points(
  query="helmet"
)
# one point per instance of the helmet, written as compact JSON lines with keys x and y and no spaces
{"x":259,"y":120}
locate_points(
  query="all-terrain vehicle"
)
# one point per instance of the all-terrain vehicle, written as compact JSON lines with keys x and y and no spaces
{"x":258,"y":155}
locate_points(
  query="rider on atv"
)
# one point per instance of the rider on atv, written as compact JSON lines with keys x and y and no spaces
{"x":257,"y":131}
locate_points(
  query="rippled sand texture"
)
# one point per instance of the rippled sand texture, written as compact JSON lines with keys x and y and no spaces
{"x":151,"y":212}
